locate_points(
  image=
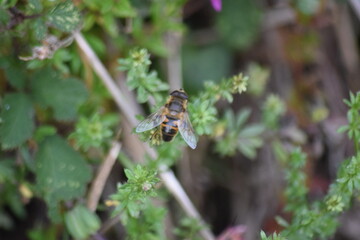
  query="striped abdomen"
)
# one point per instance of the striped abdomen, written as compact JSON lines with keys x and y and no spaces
{"x":169,"y":128}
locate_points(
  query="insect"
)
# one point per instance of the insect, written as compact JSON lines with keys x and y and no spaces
{"x":172,"y":117}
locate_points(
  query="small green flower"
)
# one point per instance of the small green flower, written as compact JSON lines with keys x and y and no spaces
{"x":273,"y":109}
{"x":335,"y":204}
{"x":239,"y":83}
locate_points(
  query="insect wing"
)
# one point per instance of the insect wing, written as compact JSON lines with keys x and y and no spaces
{"x":153,"y":120}
{"x":187,"y":132}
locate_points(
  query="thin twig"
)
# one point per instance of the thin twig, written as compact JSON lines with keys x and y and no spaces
{"x":356,"y":6}
{"x":165,"y":174}
{"x":173,"y":61}
{"x":98,"y":184}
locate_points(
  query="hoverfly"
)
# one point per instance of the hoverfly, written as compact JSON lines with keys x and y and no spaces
{"x":172,"y":117}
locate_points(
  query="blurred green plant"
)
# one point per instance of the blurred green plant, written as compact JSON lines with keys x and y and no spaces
{"x":81,"y":222}
{"x":238,"y":23}
{"x":139,"y":76}
{"x":274,"y":236}
{"x":273,"y":108}
{"x":132,"y":199}
{"x":258,"y":78}
{"x":353,"y":116}
{"x":319,"y":219}
{"x":188,"y":229}
{"x":237,"y":136}
{"x":133,"y":195}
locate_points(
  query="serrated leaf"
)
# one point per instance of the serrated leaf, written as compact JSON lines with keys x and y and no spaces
{"x":61,"y":172}
{"x":63,"y":95}
{"x":65,"y":16}
{"x":17,"y":123}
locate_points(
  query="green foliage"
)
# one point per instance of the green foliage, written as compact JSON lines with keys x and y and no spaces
{"x":202,"y":109}
{"x":203,"y":114}
{"x":65,"y":16}
{"x":16,"y":74}
{"x":149,"y":225}
{"x":318,"y":220}
{"x":238,"y":137}
{"x":139,"y":76}
{"x":43,"y":233}
{"x":238,"y":22}
{"x":40,"y":103}
{"x":188,"y":229}
{"x":141,"y":219}
{"x":133,"y":195}
{"x":273,"y":109}
{"x":63,"y":96}
{"x":17,"y":123}
{"x":94,"y":131}
{"x":274,"y":236}
{"x":296,"y":191}
{"x":62,"y":173}
{"x":258,"y":78}
{"x":353,"y":116}
{"x":81,"y":222}
{"x":7,"y":170}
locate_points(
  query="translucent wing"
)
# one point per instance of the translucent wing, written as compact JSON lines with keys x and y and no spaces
{"x":153,"y":120}
{"x":187,"y":132}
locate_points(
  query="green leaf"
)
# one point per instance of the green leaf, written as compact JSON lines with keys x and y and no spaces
{"x":281,"y":221}
{"x":35,"y":5}
{"x":17,"y":123}
{"x":81,"y":222}
{"x":65,"y":16}
{"x":263,"y":235}
{"x":63,"y":95}
{"x":7,"y":170}
{"x":61,"y":172}
{"x":39,"y":28}
{"x":4,"y":17}
{"x":123,"y":8}
{"x":16,"y":75}
{"x":129,"y":174}
{"x":239,"y":22}
{"x":44,"y":131}
{"x":343,"y":129}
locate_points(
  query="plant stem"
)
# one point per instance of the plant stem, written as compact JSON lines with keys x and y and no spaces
{"x":98,"y":184}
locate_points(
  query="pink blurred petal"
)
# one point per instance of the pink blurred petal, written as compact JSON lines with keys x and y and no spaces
{"x":233,"y":233}
{"x":216,"y":5}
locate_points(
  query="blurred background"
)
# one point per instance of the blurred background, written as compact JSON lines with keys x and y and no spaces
{"x":302,"y":59}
